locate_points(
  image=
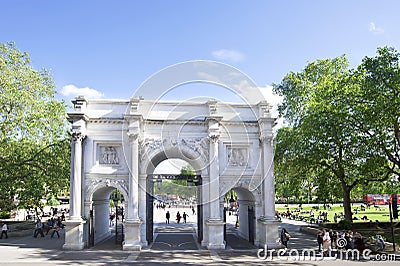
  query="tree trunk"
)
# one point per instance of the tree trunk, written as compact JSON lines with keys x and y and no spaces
{"x":346,"y":202}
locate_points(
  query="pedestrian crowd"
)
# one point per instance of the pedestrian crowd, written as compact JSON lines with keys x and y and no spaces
{"x":53,"y":225}
{"x":328,"y":240}
{"x":178,"y":217}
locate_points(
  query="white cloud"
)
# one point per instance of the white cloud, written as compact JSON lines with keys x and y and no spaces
{"x":374,"y":29}
{"x":72,"y":90}
{"x":228,"y":55}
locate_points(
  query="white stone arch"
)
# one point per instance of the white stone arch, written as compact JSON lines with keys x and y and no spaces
{"x":95,"y":184}
{"x":204,"y":144}
{"x":248,"y":199}
{"x":96,"y":209}
{"x":169,"y":148}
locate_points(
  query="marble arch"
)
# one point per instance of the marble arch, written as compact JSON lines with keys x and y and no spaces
{"x":118,"y":143}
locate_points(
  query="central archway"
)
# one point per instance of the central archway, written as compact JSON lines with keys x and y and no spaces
{"x":190,"y":158}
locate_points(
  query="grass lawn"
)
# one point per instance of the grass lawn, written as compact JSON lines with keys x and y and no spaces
{"x":381,"y":214}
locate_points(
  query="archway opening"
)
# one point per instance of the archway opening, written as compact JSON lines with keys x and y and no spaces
{"x":173,"y":207}
{"x":240,"y":218}
{"x":106,"y":217}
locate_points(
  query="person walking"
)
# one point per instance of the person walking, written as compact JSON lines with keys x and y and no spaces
{"x":57,"y":228}
{"x":167,"y":216}
{"x":326,"y":242}
{"x":178,"y":217}
{"x":285,"y":236}
{"x":38,"y":229}
{"x":184,"y":215}
{"x":49,"y":225}
{"x":320,"y":241}
{"x":4,"y":231}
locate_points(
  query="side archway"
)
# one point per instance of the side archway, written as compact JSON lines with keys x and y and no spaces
{"x":241,"y":214}
{"x":97,"y":209}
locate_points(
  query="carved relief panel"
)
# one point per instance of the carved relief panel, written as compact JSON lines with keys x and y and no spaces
{"x":109,"y":155}
{"x":237,"y":156}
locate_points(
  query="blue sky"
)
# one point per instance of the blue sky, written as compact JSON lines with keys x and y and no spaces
{"x":111,"y":47}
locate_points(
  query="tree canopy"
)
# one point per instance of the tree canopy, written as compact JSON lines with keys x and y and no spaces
{"x":322,"y":140}
{"x":378,"y":103}
{"x":34,"y":140}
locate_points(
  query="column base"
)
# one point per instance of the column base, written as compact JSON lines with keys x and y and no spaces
{"x":132,"y":235}
{"x":269,"y":235}
{"x":215,"y":234}
{"x":74,"y":234}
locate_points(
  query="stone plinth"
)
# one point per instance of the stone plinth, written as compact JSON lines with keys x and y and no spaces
{"x":132,"y":235}
{"x":73,"y":234}
{"x":216,"y":234}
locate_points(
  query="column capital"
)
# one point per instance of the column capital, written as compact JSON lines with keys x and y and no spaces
{"x":133,"y":136}
{"x":266,"y":138}
{"x":78,"y":136}
{"x":214,"y":137}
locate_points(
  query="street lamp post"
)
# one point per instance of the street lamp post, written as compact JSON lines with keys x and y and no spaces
{"x":392,"y":180}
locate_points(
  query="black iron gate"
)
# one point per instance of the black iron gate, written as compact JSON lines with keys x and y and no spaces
{"x":191,"y":180}
{"x":251,"y":220}
{"x":91,"y":229}
{"x":149,"y":212}
{"x":199,"y":210}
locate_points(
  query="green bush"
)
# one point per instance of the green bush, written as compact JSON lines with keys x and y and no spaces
{"x":344,"y":225}
{"x":5,"y":215}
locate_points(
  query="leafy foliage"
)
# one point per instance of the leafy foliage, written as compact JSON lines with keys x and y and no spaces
{"x":378,"y":103}
{"x":322,"y":141}
{"x":34,"y":143}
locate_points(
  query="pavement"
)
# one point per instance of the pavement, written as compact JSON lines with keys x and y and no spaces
{"x":173,"y":245}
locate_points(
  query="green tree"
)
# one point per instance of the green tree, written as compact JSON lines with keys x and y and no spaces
{"x":318,"y":107}
{"x":378,"y":103}
{"x":34,"y":143}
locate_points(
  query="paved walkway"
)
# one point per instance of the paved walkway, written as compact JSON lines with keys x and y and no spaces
{"x":171,"y":247}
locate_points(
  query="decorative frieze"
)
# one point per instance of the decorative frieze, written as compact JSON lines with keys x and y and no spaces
{"x":197,"y":145}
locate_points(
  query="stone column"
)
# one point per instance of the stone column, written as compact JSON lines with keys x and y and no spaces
{"x":214,"y":223}
{"x":214,"y":178}
{"x":268,"y":223}
{"x":76,"y":177}
{"x":74,"y":232}
{"x":268,"y":177}
{"x":132,"y":222}
{"x":133,"y":198}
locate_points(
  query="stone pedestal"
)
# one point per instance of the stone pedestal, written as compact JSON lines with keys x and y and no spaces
{"x":74,"y":234}
{"x":215,"y":234}
{"x":132,"y":235}
{"x":269,"y":232}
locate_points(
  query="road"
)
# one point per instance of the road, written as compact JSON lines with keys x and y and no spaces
{"x":179,"y":248}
